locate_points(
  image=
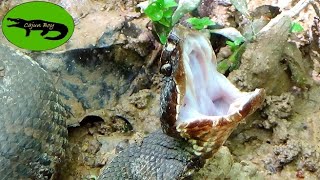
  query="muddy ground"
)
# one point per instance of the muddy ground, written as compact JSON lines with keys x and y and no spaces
{"x":116,"y":102}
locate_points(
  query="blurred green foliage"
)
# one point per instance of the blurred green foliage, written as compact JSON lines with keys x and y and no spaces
{"x":200,"y":23}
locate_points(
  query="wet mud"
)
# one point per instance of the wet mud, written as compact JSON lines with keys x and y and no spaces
{"x":108,"y":75}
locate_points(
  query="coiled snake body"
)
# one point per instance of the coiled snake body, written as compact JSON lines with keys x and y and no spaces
{"x":33,"y":128}
{"x":199,"y":110}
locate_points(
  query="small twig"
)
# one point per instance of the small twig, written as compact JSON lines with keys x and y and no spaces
{"x":295,"y":10}
{"x":154,"y":54}
{"x":315,"y":7}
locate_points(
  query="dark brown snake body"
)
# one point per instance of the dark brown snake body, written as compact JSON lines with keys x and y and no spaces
{"x":32,"y":122}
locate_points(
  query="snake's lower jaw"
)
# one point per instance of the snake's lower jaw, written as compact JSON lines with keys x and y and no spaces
{"x":208,"y":133}
{"x":207,"y":106}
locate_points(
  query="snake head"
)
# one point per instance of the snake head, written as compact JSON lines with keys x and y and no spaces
{"x":197,"y":102}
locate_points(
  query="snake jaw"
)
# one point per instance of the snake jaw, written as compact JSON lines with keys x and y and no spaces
{"x":208,"y":133}
{"x":197,"y":102}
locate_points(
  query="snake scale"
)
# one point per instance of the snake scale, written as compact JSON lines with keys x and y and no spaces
{"x":33,"y":130}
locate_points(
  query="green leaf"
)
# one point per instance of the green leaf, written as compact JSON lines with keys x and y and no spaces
{"x":223,"y":66}
{"x":200,"y":23}
{"x":168,"y":14}
{"x":154,"y":11}
{"x":160,"y":3}
{"x":162,"y":32}
{"x":165,"y":22}
{"x":233,"y":46}
{"x":296,"y":28}
{"x":238,"y":41}
{"x":230,"y":43}
{"x":170,"y":3}
{"x":235,"y":57}
{"x":163,"y":38}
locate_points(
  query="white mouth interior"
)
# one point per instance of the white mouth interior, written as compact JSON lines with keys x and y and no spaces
{"x":209,"y":94}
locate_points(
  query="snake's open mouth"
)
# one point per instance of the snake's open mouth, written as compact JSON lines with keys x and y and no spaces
{"x":198,"y":103}
{"x":209,"y":94}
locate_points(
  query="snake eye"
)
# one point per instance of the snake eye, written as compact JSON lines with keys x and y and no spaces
{"x":166,"y":69}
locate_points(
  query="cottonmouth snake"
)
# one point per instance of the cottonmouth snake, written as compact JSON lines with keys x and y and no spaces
{"x":199,"y":110}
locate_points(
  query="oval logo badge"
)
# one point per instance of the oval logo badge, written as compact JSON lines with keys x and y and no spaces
{"x":37,"y":26}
